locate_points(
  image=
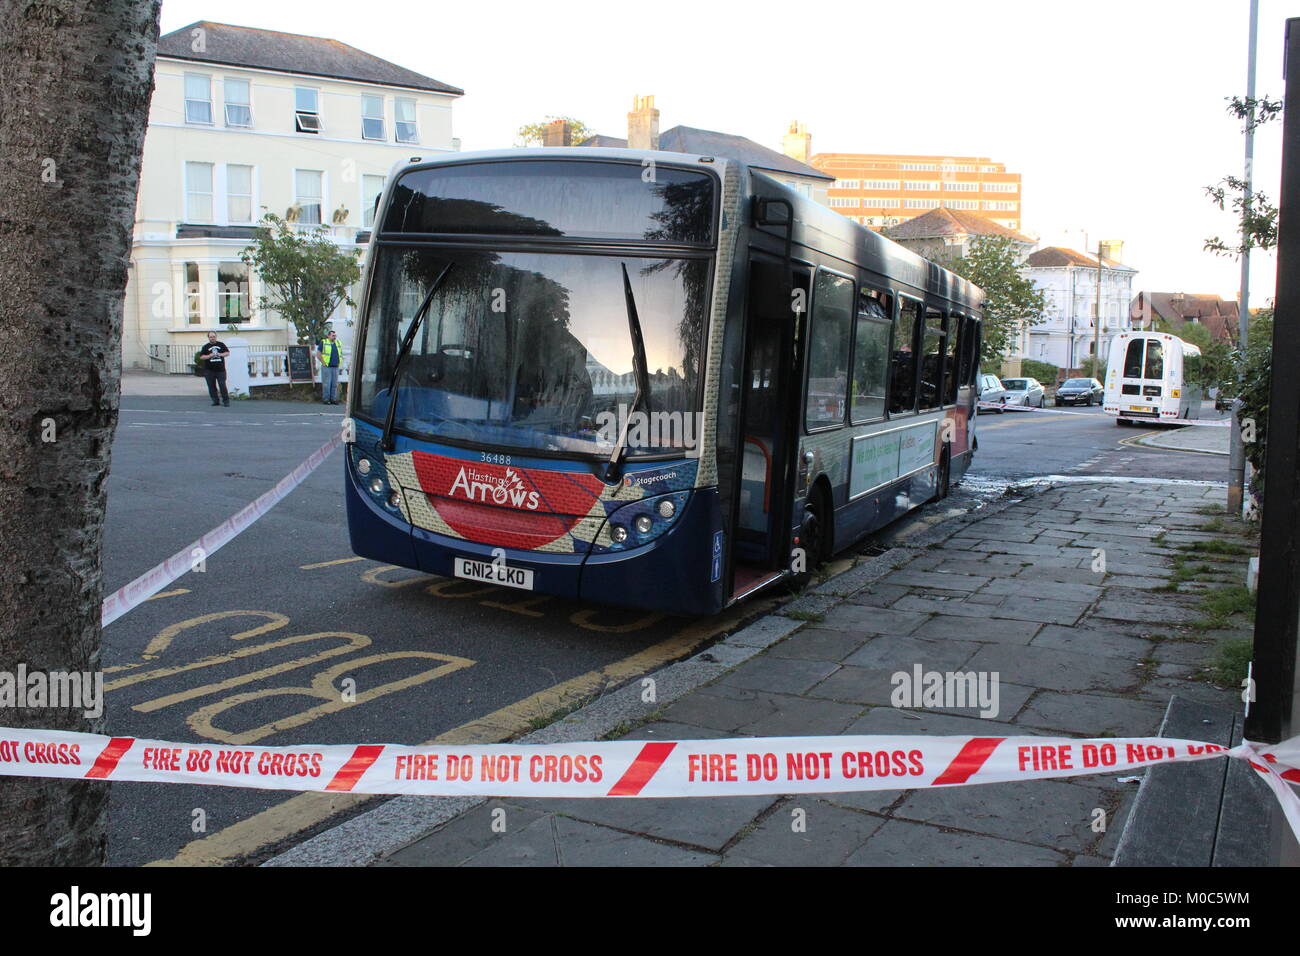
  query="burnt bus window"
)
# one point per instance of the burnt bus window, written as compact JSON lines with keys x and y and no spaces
{"x":932,"y":360}
{"x":1155,"y":359}
{"x":950,"y":374}
{"x":1133,"y":359}
{"x":902,"y":372}
{"x":557,"y":199}
{"x":828,"y":350}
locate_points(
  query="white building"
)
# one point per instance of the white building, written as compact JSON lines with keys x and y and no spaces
{"x":246,"y":121}
{"x":1069,"y":282}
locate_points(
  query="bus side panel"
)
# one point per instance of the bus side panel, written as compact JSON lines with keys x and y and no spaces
{"x":681,"y":572}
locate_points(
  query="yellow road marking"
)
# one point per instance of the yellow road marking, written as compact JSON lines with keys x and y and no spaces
{"x":327,"y":564}
{"x":1134,"y":441}
{"x":1041,"y":418}
{"x":163,"y":594}
{"x":306,"y":810}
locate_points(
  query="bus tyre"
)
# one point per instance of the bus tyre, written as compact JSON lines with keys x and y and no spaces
{"x":812,"y":536}
{"x":942,"y":478}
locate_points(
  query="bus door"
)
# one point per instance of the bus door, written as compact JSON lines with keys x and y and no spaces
{"x":768,"y":407}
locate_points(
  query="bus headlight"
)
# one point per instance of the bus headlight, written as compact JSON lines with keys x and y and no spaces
{"x":377,"y":485}
{"x":643,"y":524}
{"x":363,"y":466}
{"x":618,"y":533}
{"x":395,"y":499}
{"x":666,"y":508}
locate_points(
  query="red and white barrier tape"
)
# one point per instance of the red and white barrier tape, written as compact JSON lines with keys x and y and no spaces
{"x":628,"y":768}
{"x":154,"y":580}
{"x":1216,"y":423}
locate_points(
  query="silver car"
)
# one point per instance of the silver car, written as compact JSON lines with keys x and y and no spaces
{"x":1028,"y":392}
{"x":991,"y":390}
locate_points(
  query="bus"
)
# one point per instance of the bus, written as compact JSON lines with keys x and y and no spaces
{"x":647,"y":379}
{"x":1152,"y":377}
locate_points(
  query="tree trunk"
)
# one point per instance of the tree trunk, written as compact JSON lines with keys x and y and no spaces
{"x":75,"y":83}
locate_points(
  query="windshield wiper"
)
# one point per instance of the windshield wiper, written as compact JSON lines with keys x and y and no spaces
{"x":642,"y":376}
{"x":386,"y":440}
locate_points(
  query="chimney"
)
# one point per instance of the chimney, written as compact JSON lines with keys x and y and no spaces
{"x":643,"y":124}
{"x":1112,"y":249}
{"x":798,"y":142}
{"x":557,"y":133}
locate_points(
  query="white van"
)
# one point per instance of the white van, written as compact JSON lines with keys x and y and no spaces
{"x":1152,"y":377}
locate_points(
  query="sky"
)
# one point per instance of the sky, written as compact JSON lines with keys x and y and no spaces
{"x":1112,"y":111}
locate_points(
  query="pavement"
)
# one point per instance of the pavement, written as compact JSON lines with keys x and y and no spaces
{"x":139,"y":382}
{"x":1079,"y":596}
{"x":1194,"y":438}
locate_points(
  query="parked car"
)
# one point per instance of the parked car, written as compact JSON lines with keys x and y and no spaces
{"x":1025,"y":391}
{"x":1080,"y":391}
{"x":991,"y":390}
{"x":1223,"y":401}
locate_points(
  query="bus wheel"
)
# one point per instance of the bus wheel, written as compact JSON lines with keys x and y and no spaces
{"x":812,"y":538}
{"x":942,"y":478}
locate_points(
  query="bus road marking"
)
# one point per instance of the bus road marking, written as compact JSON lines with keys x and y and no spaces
{"x":327,"y":564}
{"x":305,"y":810}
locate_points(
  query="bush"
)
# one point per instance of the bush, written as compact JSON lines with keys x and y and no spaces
{"x":1043,"y":371}
{"x":1249,"y":381}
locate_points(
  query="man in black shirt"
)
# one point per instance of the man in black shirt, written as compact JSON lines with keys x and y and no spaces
{"x":213,"y":355}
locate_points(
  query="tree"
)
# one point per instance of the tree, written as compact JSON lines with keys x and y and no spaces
{"x":535,"y":133}
{"x":75,"y":83}
{"x":305,"y":275}
{"x":1012,"y":302}
{"x":1257,"y":220}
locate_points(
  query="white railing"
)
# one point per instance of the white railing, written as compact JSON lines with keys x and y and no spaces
{"x":272,"y":367}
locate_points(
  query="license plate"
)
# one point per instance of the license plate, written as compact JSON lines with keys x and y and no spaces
{"x":491,"y":573}
{"x":1139,"y":408}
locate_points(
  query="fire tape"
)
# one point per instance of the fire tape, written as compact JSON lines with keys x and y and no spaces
{"x":1217,"y":423}
{"x":629,"y":768}
{"x":127,"y":598}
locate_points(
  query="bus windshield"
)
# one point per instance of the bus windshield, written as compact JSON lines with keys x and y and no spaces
{"x":532,"y":350}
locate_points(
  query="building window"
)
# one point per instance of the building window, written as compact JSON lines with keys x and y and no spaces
{"x":846,"y":184}
{"x":918,"y":166}
{"x":198,"y":192}
{"x":372,"y":117}
{"x":990,"y":169}
{"x":404,"y":110}
{"x":886,"y":185}
{"x":960,"y":204}
{"x":306,"y":109}
{"x":839,"y":202}
{"x":879,"y":202}
{"x":1001,"y":187}
{"x":239,"y":194}
{"x":239,"y":109}
{"x":925,"y":185}
{"x":193,"y":295}
{"x":371,"y":188}
{"x":921,"y":204}
{"x":232,"y":293}
{"x":308,"y":195}
{"x":961,"y":187}
{"x":198,"y":98}
{"x":1000,"y":206}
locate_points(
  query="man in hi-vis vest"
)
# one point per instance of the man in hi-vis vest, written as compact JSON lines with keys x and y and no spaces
{"x":330,"y":354}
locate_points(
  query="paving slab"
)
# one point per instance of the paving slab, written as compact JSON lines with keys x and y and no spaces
{"x":902,"y":843}
{"x":558,"y":841}
{"x":779,"y":675}
{"x":1092,"y":715}
{"x":806,"y":831}
{"x":1054,"y":669}
{"x":1104,"y":642}
{"x":701,"y":822}
{"x":1047,"y":813}
{"x":947,"y":627}
{"x":901,"y":653}
{"x":863,"y":619}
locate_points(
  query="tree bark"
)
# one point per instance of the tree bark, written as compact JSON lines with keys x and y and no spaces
{"x":76,"y":78}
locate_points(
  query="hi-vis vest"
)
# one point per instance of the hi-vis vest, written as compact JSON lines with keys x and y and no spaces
{"x":327,"y":349}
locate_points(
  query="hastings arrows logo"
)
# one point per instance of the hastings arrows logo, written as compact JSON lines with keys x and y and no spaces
{"x":507,"y":491}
